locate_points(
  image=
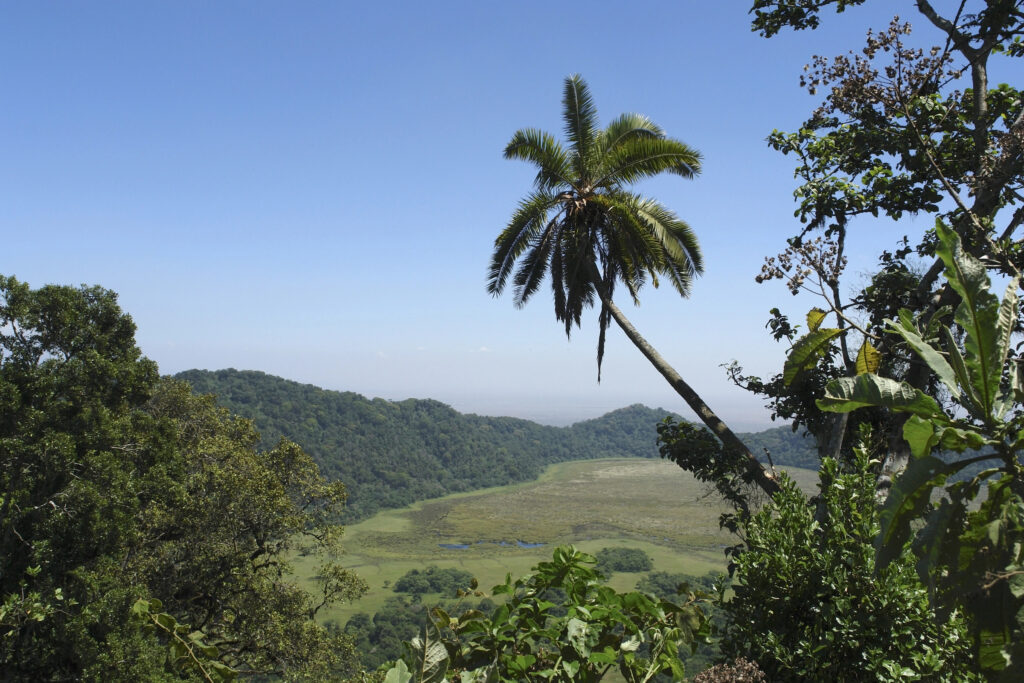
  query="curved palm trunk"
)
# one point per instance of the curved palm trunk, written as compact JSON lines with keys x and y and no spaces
{"x":762,"y":477}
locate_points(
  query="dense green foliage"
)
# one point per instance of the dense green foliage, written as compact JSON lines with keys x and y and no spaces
{"x":610,"y":560}
{"x":433,"y":579}
{"x":972,"y":559}
{"x":379,"y":638}
{"x":391,"y":453}
{"x":811,"y":604}
{"x":907,"y":125}
{"x":910,"y":122}
{"x":117,"y":486}
{"x":669,"y":586}
{"x":560,"y":623}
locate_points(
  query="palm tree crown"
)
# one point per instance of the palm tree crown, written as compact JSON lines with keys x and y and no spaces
{"x":583,"y":224}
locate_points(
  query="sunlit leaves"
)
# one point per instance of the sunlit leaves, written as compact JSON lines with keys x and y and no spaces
{"x":967,"y":557}
{"x":807,"y":351}
{"x":868,"y":359}
{"x":815,"y":317}
{"x":863,"y":391}
{"x":429,"y":656}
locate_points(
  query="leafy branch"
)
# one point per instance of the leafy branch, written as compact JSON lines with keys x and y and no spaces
{"x":187,"y":649}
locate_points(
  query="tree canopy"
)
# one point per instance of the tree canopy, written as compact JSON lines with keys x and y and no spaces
{"x":583,"y":226}
{"x":119,"y":486}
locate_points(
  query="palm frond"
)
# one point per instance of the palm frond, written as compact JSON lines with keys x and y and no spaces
{"x":603,"y":320}
{"x":534,"y":265}
{"x":580,"y":117}
{"x":577,"y":262}
{"x":627,"y":127}
{"x":529,"y":218}
{"x":558,"y":287}
{"x":673,"y":233}
{"x":541,"y":149}
{"x":640,"y":158}
{"x":631,"y":250}
{"x":683,"y":259}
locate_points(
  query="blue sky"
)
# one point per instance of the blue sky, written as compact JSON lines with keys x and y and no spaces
{"x":312,"y":189}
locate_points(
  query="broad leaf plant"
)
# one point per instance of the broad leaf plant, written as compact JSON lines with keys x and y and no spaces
{"x":969,"y":542}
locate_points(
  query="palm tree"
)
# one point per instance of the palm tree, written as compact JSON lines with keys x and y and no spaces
{"x":582,"y":225}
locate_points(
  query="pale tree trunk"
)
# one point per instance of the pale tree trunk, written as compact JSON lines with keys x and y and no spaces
{"x":767,"y":480}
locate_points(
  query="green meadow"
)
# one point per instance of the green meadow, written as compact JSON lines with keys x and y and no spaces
{"x":648,"y":504}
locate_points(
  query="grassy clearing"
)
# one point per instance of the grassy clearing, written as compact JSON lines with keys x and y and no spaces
{"x":647,"y":504}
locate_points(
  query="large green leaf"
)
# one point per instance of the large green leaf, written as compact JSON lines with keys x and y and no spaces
{"x":969,"y":398}
{"x":992,"y":646}
{"x":1011,"y":394}
{"x":1007,"y":319}
{"x":906,"y":502}
{"x":929,"y":542}
{"x":429,"y":656}
{"x":959,"y":439}
{"x":399,"y":673}
{"x":920,"y":435}
{"x":806,"y":352}
{"x":576,"y":631}
{"x":978,"y":314}
{"x":928,"y":353}
{"x":850,"y":393}
{"x":815,"y":316}
{"x":868,"y":359}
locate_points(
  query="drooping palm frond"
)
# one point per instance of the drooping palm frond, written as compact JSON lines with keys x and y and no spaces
{"x":541,"y":149}
{"x":645,"y":157}
{"x":628,"y":245}
{"x":577,"y":280}
{"x":530,"y":218}
{"x":674,"y":234}
{"x":534,"y":264}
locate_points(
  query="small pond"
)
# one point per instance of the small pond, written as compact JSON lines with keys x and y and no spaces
{"x":464,"y":546}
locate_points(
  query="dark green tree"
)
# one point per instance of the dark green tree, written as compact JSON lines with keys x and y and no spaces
{"x":610,"y":560}
{"x":582,"y":226}
{"x":118,"y":486}
{"x":433,"y":579}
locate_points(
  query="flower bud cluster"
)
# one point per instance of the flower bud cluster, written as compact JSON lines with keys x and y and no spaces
{"x":819,"y":257}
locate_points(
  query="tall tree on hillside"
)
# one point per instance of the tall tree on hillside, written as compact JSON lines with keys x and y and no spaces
{"x":583,"y":225}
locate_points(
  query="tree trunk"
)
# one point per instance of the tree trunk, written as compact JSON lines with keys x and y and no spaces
{"x":765,"y":479}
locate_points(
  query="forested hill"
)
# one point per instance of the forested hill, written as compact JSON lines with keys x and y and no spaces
{"x":391,"y":453}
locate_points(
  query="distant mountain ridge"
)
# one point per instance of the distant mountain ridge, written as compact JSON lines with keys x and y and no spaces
{"x":392,"y":453}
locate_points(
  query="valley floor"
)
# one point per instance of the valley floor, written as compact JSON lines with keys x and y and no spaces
{"x":592,"y":504}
